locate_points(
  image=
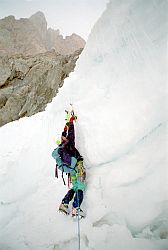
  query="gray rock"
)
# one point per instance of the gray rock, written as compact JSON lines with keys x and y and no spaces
{"x":34,"y":62}
{"x":5,"y":71}
{"x":28,"y":83}
{"x":30,"y":36}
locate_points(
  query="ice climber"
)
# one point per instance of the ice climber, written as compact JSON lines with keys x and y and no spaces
{"x":70,"y":161}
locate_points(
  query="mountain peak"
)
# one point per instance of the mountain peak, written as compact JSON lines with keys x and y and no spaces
{"x":38,"y":15}
{"x":39,"y":21}
{"x":31,"y":36}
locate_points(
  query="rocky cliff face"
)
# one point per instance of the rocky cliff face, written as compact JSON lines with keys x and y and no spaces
{"x":31,"y":36}
{"x":28,"y":83}
{"x":34,"y":61}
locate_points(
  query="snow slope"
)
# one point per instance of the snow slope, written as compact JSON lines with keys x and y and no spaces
{"x":119,"y":93}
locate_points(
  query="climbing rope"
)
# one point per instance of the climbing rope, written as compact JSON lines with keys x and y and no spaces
{"x":78,"y":209}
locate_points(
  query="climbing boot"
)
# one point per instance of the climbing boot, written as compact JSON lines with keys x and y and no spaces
{"x":64,"y":208}
{"x":78,"y":211}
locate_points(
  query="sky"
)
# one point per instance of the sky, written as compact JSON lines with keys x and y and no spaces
{"x":69,"y":16}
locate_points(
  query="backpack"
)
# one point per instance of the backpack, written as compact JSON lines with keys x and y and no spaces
{"x":68,"y":169}
{"x":57,"y":157}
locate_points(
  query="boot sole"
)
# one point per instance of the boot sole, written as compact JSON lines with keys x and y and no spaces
{"x":63,"y":211}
